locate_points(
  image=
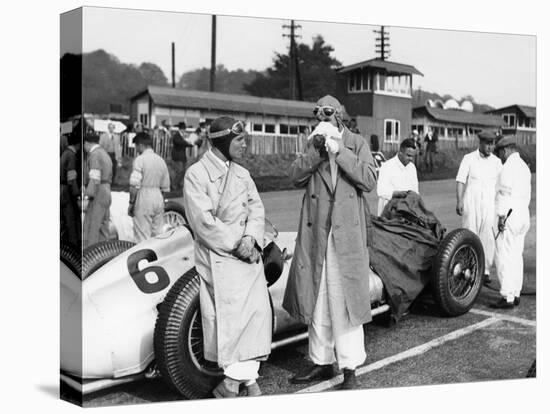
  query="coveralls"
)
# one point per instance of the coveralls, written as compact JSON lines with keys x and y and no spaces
{"x":513,"y":191}
{"x":479,"y":174}
{"x":150,"y":177}
{"x":98,"y":189}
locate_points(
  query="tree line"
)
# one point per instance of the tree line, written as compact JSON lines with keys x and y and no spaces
{"x":105,"y":84}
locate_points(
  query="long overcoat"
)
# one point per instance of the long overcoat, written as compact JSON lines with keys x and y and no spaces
{"x":346,"y":211}
{"x":221,"y":208}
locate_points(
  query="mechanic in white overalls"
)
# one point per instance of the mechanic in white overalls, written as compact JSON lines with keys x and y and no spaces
{"x":475,"y":194}
{"x":513,"y":194}
{"x":148,"y":181}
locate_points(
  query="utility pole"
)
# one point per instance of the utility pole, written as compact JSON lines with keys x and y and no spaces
{"x":382,"y":43}
{"x":293,"y":70}
{"x":173,"y":65}
{"x":213,"y":56}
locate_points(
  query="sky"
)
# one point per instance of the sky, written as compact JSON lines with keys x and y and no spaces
{"x":496,"y":69}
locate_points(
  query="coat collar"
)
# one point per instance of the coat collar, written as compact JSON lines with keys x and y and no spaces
{"x":215,"y":169}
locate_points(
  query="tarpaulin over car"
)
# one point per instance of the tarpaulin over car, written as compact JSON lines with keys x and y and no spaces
{"x":405,"y":240}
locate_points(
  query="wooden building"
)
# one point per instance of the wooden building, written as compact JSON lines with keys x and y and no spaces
{"x":263,"y":116}
{"x":378,"y":95}
{"x":519,"y":120}
{"x":454,"y":126}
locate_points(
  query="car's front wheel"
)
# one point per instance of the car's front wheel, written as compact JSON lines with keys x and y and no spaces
{"x":458,"y":270}
{"x":178,"y":341}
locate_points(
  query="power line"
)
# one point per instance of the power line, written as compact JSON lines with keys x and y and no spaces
{"x":382,"y":45}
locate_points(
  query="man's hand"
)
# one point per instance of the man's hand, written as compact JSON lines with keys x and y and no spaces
{"x":501,"y":223}
{"x":245,"y":248}
{"x":399,"y":194}
{"x":131,"y":209}
{"x":318,"y":142}
{"x":332,"y":146}
{"x":459,"y":208}
{"x":255,"y":257}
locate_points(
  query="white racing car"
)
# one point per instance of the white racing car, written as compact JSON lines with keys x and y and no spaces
{"x":132,"y":311}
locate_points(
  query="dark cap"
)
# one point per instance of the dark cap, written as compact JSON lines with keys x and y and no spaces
{"x":182,"y":125}
{"x":506,"y":141}
{"x":142,"y":138}
{"x":487,"y":135}
{"x":89,"y":137}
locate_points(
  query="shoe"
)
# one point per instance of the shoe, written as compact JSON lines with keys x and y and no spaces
{"x":350,"y":380}
{"x":253,"y":390}
{"x":516,"y":301}
{"x":487,"y":279}
{"x":503,"y":304}
{"x":315,"y":373}
{"x":228,"y":388}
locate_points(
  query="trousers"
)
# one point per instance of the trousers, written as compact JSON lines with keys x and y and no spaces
{"x":509,"y":255}
{"x":331,"y":335}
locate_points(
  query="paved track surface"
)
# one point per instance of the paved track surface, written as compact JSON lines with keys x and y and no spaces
{"x":423,"y":349}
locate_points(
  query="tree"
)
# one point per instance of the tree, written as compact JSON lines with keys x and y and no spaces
{"x":226,"y":81}
{"x":317,"y":70}
{"x":152,"y":74}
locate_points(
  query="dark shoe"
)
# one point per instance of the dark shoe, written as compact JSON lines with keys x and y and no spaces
{"x":486,"y":279}
{"x":350,"y":380}
{"x":516,"y":301}
{"x":315,"y":373}
{"x":228,"y":388}
{"x":503,"y":304}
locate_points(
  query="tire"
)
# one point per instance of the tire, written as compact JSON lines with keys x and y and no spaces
{"x":72,"y":257}
{"x":95,"y":256}
{"x":180,"y":363}
{"x":174,"y":215}
{"x":457,"y":272}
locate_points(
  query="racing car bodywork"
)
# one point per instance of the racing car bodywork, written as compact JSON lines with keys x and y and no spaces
{"x":130,"y":311}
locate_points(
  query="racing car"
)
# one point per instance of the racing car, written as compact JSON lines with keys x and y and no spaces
{"x":131,"y":311}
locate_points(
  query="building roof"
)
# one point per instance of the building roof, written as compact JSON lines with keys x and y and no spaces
{"x":182,"y":98}
{"x":390,"y":67}
{"x":460,"y":117}
{"x":528,"y":111}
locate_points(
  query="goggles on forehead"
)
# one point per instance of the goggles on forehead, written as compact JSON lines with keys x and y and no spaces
{"x":325,"y":110}
{"x":236,"y":129}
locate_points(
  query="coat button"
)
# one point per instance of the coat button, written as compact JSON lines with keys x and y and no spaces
{"x":244,"y":204}
{"x":336,"y":227}
{"x":313,"y":196}
{"x":309,"y":224}
{"x":242,"y":223}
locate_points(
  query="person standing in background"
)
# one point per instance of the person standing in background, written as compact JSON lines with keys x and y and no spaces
{"x":148,"y":181}
{"x":97,"y":195}
{"x":179,"y":155}
{"x":431,"y":148}
{"x":475,"y":194}
{"x":513,"y":195}
{"x":71,"y":222}
{"x":110,"y":141}
{"x":397,"y":175}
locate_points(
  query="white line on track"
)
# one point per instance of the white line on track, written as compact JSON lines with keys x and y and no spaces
{"x":502,"y":316}
{"x":418,"y":350}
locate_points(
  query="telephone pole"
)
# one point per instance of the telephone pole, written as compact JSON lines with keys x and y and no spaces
{"x":213,"y":56}
{"x":293,"y":69}
{"x":382,"y":43}
{"x":173,"y":65}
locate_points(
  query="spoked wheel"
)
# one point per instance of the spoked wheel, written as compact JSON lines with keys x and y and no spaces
{"x":174,"y":216}
{"x":457,"y":272}
{"x":464,"y":265}
{"x":196,"y":349}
